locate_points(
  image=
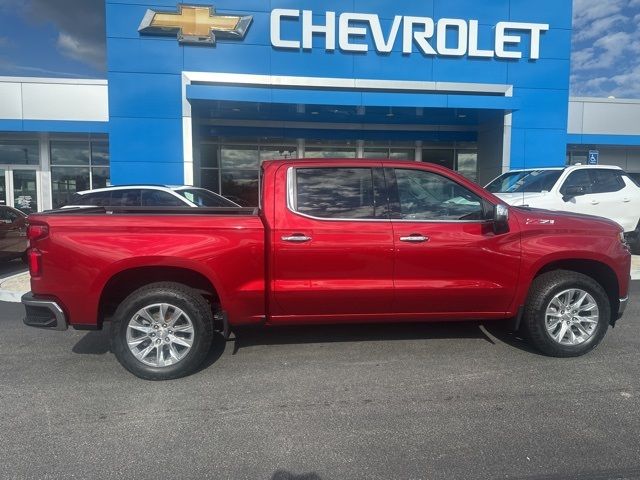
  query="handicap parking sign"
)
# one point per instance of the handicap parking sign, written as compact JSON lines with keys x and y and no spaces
{"x":593,"y":157}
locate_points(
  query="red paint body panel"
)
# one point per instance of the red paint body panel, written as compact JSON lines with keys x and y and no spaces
{"x":82,"y":252}
{"x":350,"y":271}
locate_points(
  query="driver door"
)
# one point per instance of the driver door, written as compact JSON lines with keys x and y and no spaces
{"x":449,"y":263}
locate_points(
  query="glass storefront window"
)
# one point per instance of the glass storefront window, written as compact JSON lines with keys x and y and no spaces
{"x":329,"y":152}
{"x":70,"y":153}
{"x":99,"y":177}
{"x":209,"y":156}
{"x":65,"y":181}
{"x":210,"y":179}
{"x":402,"y":154}
{"x":25,"y":191}
{"x":277,"y":153}
{"x":330,"y":149}
{"x":468,"y":164}
{"x":99,"y":153}
{"x":240,"y":157}
{"x":77,"y":165}
{"x":439,"y":156}
{"x":19,"y":152}
{"x":241,"y":186}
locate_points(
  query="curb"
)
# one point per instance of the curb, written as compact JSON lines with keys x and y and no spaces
{"x":11,"y":295}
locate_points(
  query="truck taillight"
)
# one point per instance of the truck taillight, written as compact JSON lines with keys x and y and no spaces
{"x":35,"y":262}
{"x":37,"y":232}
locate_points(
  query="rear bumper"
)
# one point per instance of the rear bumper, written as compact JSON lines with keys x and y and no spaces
{"x":43,"y":313}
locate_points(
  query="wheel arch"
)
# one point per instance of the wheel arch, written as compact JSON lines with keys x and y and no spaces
{"x":598,"y":271}
{"x":122,"y":283}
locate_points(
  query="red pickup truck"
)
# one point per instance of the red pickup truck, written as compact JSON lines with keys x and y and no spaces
{"x":334,"y":241}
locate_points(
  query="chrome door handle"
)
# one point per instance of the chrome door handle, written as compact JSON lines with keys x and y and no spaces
{"x":594,"y":202}
{"x":626,"y":200}
{"x":415,"y":239}
{"x":296,"y":238}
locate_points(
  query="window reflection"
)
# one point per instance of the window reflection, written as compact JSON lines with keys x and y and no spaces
{"x":428,"y":196}
{"x":70,"y":153}
{"x":19,"y":152}
{"x":240,"y":157}
{"x":335,"y":192}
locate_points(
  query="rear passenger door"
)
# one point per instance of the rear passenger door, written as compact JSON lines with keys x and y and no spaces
{"x":332,"y":244}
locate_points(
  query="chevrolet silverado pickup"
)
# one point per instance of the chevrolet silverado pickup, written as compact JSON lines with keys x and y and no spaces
{"x":334,"y":241}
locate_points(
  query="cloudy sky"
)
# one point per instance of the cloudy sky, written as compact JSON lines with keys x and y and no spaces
{"x":66,"y":38}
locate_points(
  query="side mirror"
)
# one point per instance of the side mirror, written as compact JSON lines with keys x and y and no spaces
{"x":573,"y":191}
{"x":501,"y":219}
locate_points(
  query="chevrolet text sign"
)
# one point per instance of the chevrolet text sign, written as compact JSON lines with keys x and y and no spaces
{"x":349,"y":31}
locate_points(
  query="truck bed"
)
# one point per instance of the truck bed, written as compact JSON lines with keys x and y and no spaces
{"x":86,"y":247}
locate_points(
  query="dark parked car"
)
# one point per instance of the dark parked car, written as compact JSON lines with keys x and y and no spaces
{"x":13,"y":233}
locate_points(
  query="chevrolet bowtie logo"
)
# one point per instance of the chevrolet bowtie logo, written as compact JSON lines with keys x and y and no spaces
{"x":195,"y":24}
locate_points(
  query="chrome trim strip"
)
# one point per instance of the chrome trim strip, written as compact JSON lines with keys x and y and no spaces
{"x":53,"y":307}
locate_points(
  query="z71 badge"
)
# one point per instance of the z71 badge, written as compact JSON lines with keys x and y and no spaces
{"x":540,"y":221}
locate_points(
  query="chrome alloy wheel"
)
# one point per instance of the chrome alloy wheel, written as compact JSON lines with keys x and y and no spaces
{"x":160,"y":335}
{"x":572,"y":317}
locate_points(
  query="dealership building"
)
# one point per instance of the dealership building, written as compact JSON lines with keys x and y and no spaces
{"x":200,"y":95}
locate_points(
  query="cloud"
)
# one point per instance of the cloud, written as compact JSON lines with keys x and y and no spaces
{"x":90,"y":53}
{"x":606,"y":48}
{"x":10,"y":68}
{"x":81,"y":26}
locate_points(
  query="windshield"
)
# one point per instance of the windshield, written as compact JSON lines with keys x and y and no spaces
{"x":522,"y":182}
{"x":205,"y":198}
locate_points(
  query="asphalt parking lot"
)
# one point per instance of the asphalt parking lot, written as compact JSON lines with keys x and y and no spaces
{"x":405,"y":402}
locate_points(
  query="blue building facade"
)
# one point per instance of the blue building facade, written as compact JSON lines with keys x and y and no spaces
{"x":201,"y":94}
{"x":352,"y":76}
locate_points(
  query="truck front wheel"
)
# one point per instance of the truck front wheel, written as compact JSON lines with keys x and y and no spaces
{"x":162,"y":331}
{"x":567,"y":314}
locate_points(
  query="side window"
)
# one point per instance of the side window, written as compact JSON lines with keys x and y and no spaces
{"x":579,"y":178}
{"x":125,"y":198}
{"x":606,"y":181}
{"x":158,"y":198}
{"x":7,"y":216}
{"x":345,"y":193}
{"x":96,"y":199}
{"x":428,"y":196}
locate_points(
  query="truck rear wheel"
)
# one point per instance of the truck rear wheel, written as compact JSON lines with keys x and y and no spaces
{"x":567,"y":314}
{"x":162,"y":331}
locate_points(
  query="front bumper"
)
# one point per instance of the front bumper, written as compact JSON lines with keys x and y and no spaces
{"x":623,"y":306}
{"x":43,"y":313}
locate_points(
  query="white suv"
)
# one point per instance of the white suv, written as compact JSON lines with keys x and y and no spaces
{"x":149,"y":196}
{"x":601,"y":190}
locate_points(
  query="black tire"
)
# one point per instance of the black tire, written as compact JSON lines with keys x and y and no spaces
{"x":181,"y":296}
{"x":543,"y":289}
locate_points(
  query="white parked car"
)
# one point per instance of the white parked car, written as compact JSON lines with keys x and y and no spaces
{"x":605,"y":191}
{"x":149,"y":196}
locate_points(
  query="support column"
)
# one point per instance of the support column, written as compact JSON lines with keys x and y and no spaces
{"x":45,"y":200}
